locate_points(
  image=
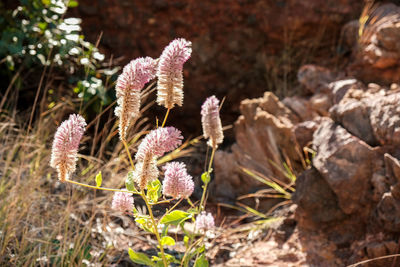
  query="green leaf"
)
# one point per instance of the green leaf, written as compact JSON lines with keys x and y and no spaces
{"x":72,"y":3}
{"x":140,"y":258}
{"x":175,"y":217}
{"x":130,"y":182}
{"x":205,"y":177}
{"x":99,"y":179}
{"x":201,"y":261}
{"x":154,"y":190}
{"x":167,"y":241}
{"x":145,"y":224}
{"x":42,"y":25}
{"x":171,"y":258}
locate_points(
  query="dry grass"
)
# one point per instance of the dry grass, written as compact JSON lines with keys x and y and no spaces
{"x":44,"y":222}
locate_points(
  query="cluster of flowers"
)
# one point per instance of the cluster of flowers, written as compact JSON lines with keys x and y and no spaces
{"x":167,"y":69}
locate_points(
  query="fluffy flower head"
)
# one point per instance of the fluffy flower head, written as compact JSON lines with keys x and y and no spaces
{"x":129,"y":85}
{"x":211,"y":122}
{"x":65,"y":145}
{"x":145,"y":171}
{"x":204,"y":221}
{"x":177,"y":182}
{"x":169,"y":73}
{"x":158,"y":142}
{"x":122,"y":201}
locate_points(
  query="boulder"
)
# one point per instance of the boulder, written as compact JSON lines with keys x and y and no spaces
{"x":300,"y":106}
{"x":315,"y":78}
{"x":316,"y":200}
{"x":304,"y":131}
{"x":354,"y":116}
{"x":385,"y":118}
{"x":377,"y":51}
{"x":388,"y":211}
{"x":264,"y":141}
{"x":346,"y":163}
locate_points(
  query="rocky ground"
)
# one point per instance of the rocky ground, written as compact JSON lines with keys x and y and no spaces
{"x":347,"y":198}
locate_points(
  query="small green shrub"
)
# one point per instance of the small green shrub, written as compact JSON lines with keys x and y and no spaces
{"x":36,"y":34}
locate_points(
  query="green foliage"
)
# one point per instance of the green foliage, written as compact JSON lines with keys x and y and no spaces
{"x":140,"y":258}
{"x":144,"y":222}
{"x":176,"y":217}
{"x":201,"y":261}
{"x":99,"y":179}
{"x":154,"y":190}
{"x":167,"y":241}
{"x":206,"y":177}
{"x":130,"y":182}
{"x":36,"y":34}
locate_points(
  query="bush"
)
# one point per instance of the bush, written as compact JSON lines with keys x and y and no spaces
{"x":35,"y":35}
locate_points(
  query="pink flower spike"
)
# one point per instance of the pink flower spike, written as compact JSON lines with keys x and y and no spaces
{"x":122,"y":202}
{"x":205,"y":221}
{"x":169,"y":73}
{"x":158,"y":142}
{"x":64,"y":153}
{"x":145,"y":171}
{"x":177,"y":182}
{"x":211,"y":122}
{"x":134,"y":76}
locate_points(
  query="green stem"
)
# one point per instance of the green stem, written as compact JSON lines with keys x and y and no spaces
{"x":161,"y":202}
{"x":129,"y":154}
{"x":189,"y":249}
{"x":165,"y":118}
{"x":102,"y":188}
{"x":155,"y":228}
{"x":190,"y":202}
{"x":203,"y":196}
{"x":211,"y":159}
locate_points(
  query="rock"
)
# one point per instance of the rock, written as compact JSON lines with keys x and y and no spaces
{"x":377,"y":53}
{"x":301,"y":107}
{"x":346,"y":163}
{"x":304,"y":131}
{"x":264,"y":134}
{"x":392,"y":168}
{"x":354,"y":116}
{"x":372,"y":115}
{"x":385,"y":118}
{"x":264,"y":140}
{"x":315,"y":199}
{"x":340,"y":88}
{"x":315,"y":78}
{"x":321,"y":103}
{"x":388,"y":211}
{"x":350,"y":33}
{"x":375,"y":250}
{"x":228,"y":182}
{"x":380,"y":186}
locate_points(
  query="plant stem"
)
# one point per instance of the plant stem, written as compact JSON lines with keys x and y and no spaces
{"x":102,"y":188}
{"x":189,"y":249}
{"x":155,"y":228}
{"x":165,"y":118}
{"x":211,"y":159}
{"x":129,"y":154}
{"x":203,"y":196}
